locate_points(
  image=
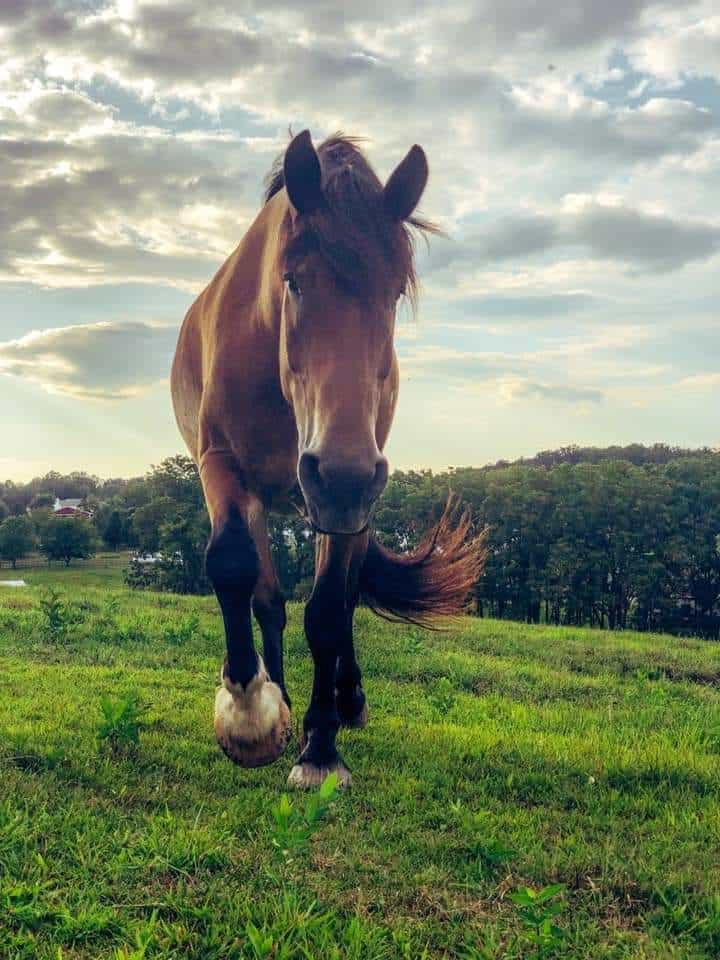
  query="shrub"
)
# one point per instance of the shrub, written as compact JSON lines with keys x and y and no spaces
{"x":121,"y":721}
{"x":292,"y":828}
{"x":57,"y":614}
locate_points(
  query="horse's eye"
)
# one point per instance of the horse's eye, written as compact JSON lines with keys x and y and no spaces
{"x":292,"y":283}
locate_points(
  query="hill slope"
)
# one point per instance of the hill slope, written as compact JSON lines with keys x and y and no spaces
{"x":546,"y":756}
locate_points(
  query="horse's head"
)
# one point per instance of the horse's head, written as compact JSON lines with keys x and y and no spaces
{"x":346,"y":260}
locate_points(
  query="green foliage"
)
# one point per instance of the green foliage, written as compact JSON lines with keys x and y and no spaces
{"x":182,"y":542}
{"x":486,"y":852}
{"x":121,"y":721}
{"x":172,"y":523}
{"x":293,"y":551}
{"x":17,"y":538}
{"x":574,"y":541}
{"x":42,"y":501}
{"x":144,"y":941}
{"x":624,"y":537}
{"x":181,"y":631}
{"x":56,"y":613}
{"x":537,"y":910}
{"x":114,"y":529}
{"x":147,"y":521}
{"x":262,"y":943}
{"x":67,"y":538}
{"x":443,"y":696}
{"x":292,"y":827}
{"x":176,"y":478}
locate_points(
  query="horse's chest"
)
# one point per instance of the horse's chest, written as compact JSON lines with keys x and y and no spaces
{"x":264,"y":437}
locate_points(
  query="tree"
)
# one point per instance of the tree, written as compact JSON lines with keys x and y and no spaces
{"x":42,"y":501}
{"x":148,"y":519}
{"x":182,"y":542}
{"x":293,"y":551}
{"x":177,"y":478}
{"x":114,"y":531}
{"x":67,"y":538}
{"x":16,"y":539}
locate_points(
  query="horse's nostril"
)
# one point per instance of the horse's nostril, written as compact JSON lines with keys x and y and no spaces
{"x":342,"y":483}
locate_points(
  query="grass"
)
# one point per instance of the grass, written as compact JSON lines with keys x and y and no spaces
{"x":520,"y":792}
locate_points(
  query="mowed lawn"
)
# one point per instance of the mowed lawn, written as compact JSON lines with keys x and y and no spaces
{"x":498,"y":757}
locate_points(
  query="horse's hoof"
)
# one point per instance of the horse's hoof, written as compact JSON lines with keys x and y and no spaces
{"x":306,"y":776}
{"x":252,"y":724}
{"x":356,"y":720}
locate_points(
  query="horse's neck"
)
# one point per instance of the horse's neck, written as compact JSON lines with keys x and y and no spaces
{"x":251,"y":276}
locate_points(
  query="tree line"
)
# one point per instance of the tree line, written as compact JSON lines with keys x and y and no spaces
{"x":621,"y":537}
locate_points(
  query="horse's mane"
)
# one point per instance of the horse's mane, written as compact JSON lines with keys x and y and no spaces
{"x":361,"y":244}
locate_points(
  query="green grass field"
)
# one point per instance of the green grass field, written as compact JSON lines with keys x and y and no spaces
{"x":498,"y":757}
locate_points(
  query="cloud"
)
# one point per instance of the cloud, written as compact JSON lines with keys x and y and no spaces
{"x":112,"y":202}
{"x":517,"y":236}
{"x":645,"y":240}
{"x":580,"y":370}
{"x":98,"y":361}
{"x":638,"y":239}
{"x":700,"y":381}
{"x":556,"y":116}
{"x":529,"y":306}
{"x":102,"y":182}
{"x":677,"y":45}
{"x":514,"y":390}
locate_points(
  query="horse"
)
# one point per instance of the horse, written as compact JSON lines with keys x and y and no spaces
{"x":285,"y":375}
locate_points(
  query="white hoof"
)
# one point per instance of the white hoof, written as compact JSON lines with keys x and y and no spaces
{"x":252,"y":724}
{"x":305,"y":776}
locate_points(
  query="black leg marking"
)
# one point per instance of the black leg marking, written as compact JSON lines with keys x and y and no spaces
{"x":252,"y":722}
{"x":324,"y":620}
{"x":349,"y":694}
{"x":232,"y":568}
{"x":270,"y":614}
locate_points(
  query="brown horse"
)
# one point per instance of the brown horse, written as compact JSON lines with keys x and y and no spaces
{"x":285,"y":371}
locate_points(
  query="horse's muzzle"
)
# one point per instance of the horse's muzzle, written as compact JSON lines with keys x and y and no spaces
{"x":339,"y":494}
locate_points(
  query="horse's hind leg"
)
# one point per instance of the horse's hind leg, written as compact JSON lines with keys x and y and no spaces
{"x":252,"y":719}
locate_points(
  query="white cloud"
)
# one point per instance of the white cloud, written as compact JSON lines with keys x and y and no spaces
{"x":678,"y":44}
{"x":98,"y":361}
{"x":606,"y":228}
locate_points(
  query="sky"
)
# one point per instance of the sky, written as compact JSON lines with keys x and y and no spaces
{"x":574,"y":155}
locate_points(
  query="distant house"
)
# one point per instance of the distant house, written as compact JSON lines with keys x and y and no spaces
{"x":70,"y":508}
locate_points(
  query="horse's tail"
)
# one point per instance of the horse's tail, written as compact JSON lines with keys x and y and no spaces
{"x":431,"y":582}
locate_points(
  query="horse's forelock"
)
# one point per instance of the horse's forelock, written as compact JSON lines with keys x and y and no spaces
{"x":365,"y":249}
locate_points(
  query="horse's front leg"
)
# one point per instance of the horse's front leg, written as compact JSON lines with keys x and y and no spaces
{"x":325,"y":628}
{"x":349,"y":694}
{"x":252,"y":717}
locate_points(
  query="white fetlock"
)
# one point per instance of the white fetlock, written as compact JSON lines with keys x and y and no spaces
{"x":252,"y":724}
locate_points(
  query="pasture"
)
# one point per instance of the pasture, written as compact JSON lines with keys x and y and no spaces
{"x":498,"y":758}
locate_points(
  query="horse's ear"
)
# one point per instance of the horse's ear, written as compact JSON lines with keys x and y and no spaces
{"x":406,"y":184}
{"x":301,"y":168}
